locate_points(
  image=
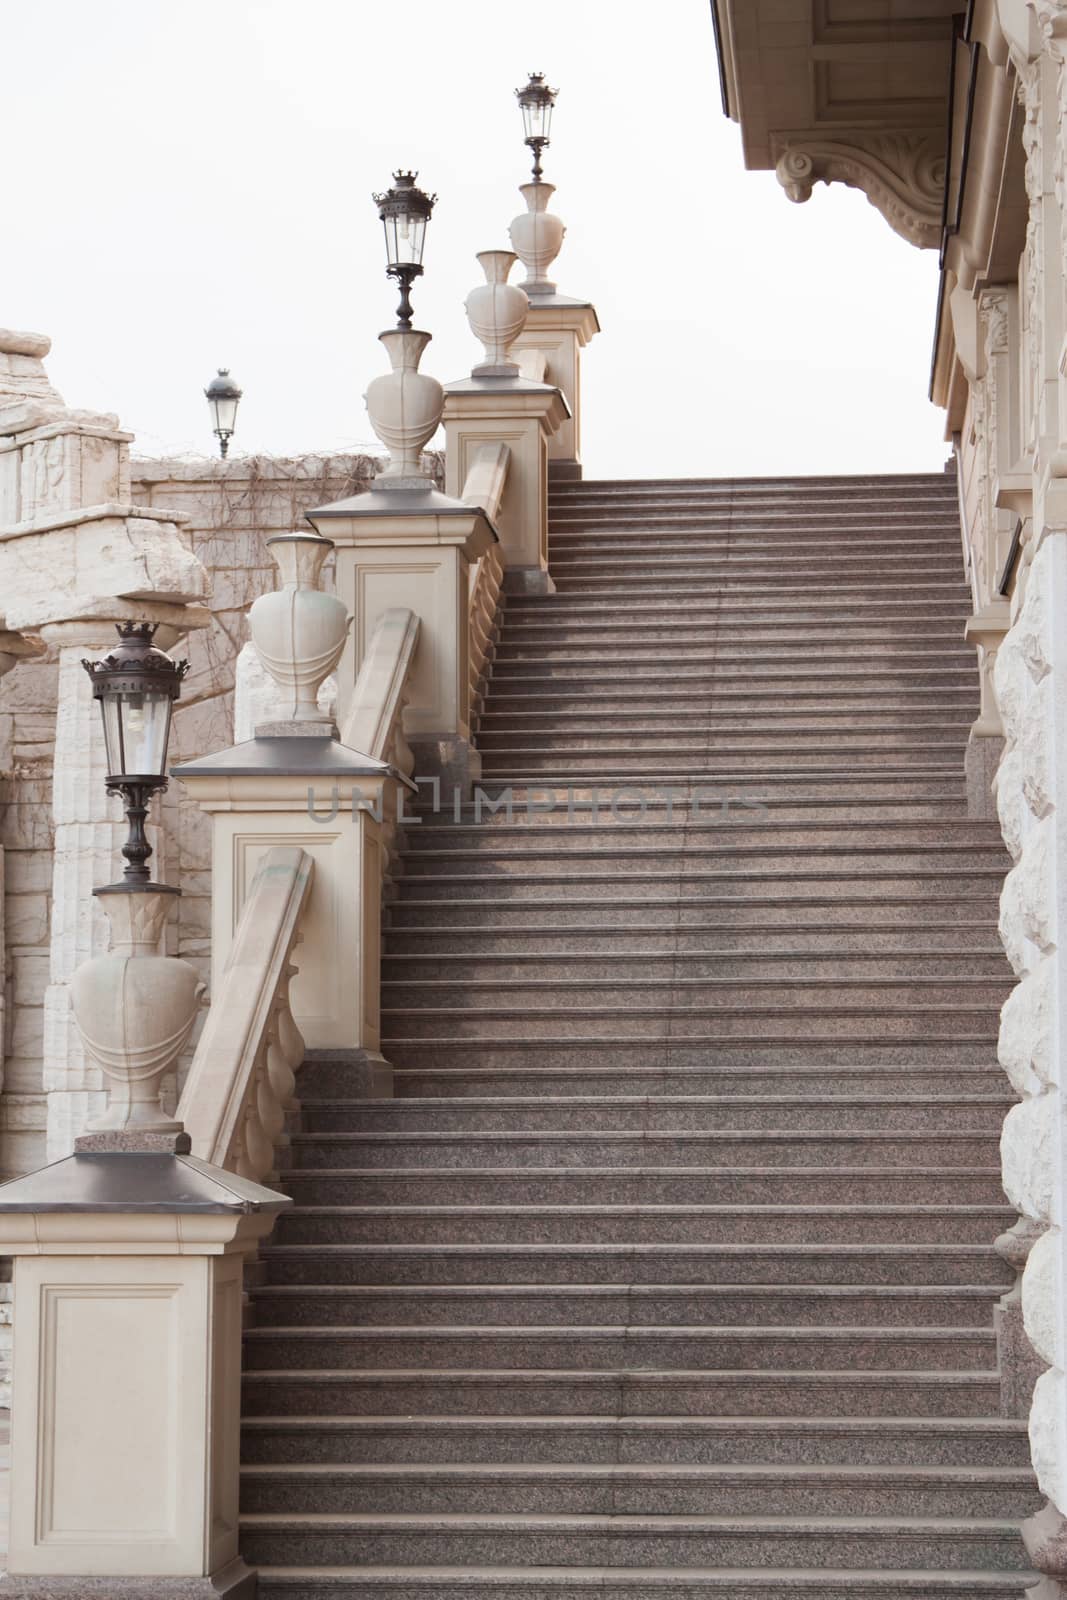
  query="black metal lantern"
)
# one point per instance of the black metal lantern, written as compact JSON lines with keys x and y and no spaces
{"x":536,"y":100}
{"x":222,"y":398}
{"x":136,"y":686}
{"x":405,"y":210}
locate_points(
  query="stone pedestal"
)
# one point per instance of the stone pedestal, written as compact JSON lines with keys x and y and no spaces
{"x":126,"y":1393}
{"x":413,"y":550}
{"x":561,"y":328}
{"x":524,"y":416}
{"x":338,"y":805}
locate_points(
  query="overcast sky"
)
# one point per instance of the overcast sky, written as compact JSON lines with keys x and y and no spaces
{"x":187,"y":185}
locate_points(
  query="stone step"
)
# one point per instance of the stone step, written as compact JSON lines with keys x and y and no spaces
{"x":627,"y":1349}
{"x":930,"y":943}
{"x":687,"y":967}
{"x":570,"y":1392}
{"x":655,"y":573}
{"x":934,"y":703}
{"x":937,"y":557}
{"x":926,"y":1205}
{"x":506,"y":722}
{"x":641,"y":1491}
{"x":862,"y":526}
{"x":534,"y":1541}
{"x":663,"y":825}
{"x":730,"y":589}
{"x":819,"y":521}
{"x":994,"y":1443}
{"x":537,"y":1222}
{"x":631,"y":1583}
{"x":626,"y":1306}
{"x":732,"y":796}
{"x":704,"y":1023}
{"x":721,"y":666}
{"x":808,"y":1148}
{"x":611,"y":755}
{"x":818,"y":991}
{"x":659,"y":1113}
{"x":720,"y":772}
{"x":773,"y":1265}
{"x":701,"y":884}
{"x":692,"y":853}
{"x":841,"y":1047}
{"x":775,"y":736}
{"x":781,"y":631}
{"x":711,"y":814}
{"x":637,"y":915}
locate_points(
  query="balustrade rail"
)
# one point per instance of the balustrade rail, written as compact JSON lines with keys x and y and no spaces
{"x":240,"y":1092}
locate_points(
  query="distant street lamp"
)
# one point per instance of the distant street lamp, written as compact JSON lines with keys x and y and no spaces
{"x":404,"y":210}
{"x":136,"y":686}
{"x":222,"y":398}
{"x":536,"y":100}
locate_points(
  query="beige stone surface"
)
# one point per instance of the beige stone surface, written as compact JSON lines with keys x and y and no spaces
{"x":125,"y":1391}
{"x":415,"y":562}
{"x":523,"y":417}
{"x":240,"y":1089}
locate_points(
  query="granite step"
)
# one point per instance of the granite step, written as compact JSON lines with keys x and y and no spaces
{"x":659,"y":696}
{"x":732,"y":1541}
{"x":955,"y":1203}
{"x":775,"y":1264}
{"x":627,"y":1349}
{"x":641,"y":1491}
{"x":726,"y":965}
{"x":643,"y":1223}
{"x":659,"y":1113}
{"x":632,"y":1583}
{"x":801,"y":1080}
{"x":689,"y":853}
{"x":440,"y":1306}
{"x":841,"y":1047}
{"x":571,"y":1392}
{"x":769,"y":943}
{"x":994,"y":1444}
{"x":825,"y":1021}
{"x":708,"y":761}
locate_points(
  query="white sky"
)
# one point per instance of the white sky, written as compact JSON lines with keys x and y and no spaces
{"x":187,"y":185}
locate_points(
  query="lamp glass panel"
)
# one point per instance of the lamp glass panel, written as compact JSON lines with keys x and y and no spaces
{"x":224,"y":413}
{"x":405,"y":236}
{"x":537,"y":119}
{"x":140,"y":725}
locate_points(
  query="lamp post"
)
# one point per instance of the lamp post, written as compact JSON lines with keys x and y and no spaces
{"x":223,"y":396}
{"x":136,"y":686}
{"x":536,"y":100}
{"x":404,"y":211}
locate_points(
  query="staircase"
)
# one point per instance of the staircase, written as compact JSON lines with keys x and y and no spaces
{"x":668,"y":1274}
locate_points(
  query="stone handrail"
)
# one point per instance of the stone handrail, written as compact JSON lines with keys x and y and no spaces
{"x":484,"y":487}
{"x":238,"y":1096}
{"x":374,"y":721}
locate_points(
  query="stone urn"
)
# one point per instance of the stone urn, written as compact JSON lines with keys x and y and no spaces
{"x":537,"y":237}
{"x":404,"y":407}
{"x":135,"y":1010}
{"x":496,"y":311}
{"x":299,"y":631}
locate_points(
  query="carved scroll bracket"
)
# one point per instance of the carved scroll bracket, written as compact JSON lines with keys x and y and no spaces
{"x":902,"y":175}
